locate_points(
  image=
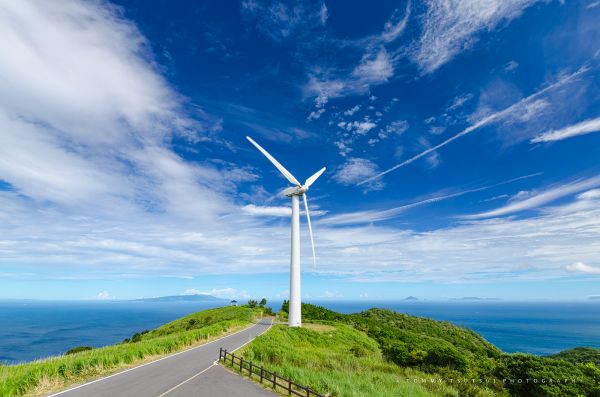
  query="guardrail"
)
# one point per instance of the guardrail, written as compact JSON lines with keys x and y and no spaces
{"x":238,"y":363}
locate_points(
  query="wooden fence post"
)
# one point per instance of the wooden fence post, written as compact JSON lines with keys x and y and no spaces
{"x":261,"y":374}
{"x":250,"y":369}
{"x":232,"y":357}
{"x":289,"y":388}
{"x":274,"y":380}
{"x":241,"y":362}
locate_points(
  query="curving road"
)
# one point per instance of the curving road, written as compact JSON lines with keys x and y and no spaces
{"x":188,"y":373}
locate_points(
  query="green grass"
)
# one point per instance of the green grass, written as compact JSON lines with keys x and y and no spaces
{"x":43,"y":376}
{"x":580,"y":355}
{"x":337,"y":360}
{"x":378,"y":352}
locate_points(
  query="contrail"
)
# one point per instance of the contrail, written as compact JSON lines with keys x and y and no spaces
{"x":486,"y":120}
{"x":374,"y":216}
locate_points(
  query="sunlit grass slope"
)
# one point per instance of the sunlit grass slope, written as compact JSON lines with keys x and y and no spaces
{"x":42,"y":376}
{"x":338,"y":360}
{"x":380,"y":352}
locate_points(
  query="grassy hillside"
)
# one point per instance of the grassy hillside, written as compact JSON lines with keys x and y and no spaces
{"x":396,"y":344}
{"x":338,"y":360}
{"x":40,"y":377}
{"x":580,"y":355}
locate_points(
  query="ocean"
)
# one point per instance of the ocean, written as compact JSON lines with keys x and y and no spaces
{"x":36,"y":329}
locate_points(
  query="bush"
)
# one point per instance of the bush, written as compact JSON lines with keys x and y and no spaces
{"x":78,"y":349}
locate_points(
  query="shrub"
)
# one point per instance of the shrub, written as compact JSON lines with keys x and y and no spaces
{"x":78,"y":349}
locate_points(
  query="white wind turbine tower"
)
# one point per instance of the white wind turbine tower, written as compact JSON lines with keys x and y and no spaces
{"x":295,"y":311}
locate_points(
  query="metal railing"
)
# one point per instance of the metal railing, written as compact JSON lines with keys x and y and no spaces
{"x":263,"y":375}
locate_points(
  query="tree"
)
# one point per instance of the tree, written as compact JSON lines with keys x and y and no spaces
{"x":263,"y":302}
{"x":252,"y":303}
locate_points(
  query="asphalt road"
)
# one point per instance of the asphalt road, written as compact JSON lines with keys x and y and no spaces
{"x":188,"y":373}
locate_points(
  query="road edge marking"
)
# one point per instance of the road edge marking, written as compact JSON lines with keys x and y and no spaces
{"x":215,"y":363}
{"x":187,"y":380}
{"x":151,"y":362}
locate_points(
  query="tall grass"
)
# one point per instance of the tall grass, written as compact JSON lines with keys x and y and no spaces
{"x":339,"y":361}
{"x":54,"y":373}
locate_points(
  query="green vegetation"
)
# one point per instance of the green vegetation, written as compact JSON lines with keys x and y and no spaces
{"x":261,"y":305}
{"x":338,"y":360}
{"x":342,"y":363}
{"x":78,"y":349}
{"x":43,"y":376}
{"x":580,"y":355}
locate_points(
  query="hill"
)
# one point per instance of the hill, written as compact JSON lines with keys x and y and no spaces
{"x":444,"y":359}
{"x":183,"y":298}
{"x":54,"y":373}
{"x":580,"y":355}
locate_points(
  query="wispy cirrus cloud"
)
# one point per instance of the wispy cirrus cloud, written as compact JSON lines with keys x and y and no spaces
{"x":282,"y":20}
{"x":374,"y":68}
{"x":585,"y":127}
{"x":517,"y":108}
{"x":382,"y":215}
{"x":537,"y":199}
{"x":450,"y":27}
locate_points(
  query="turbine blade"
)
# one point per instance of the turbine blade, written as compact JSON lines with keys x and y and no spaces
{"x":312,"y":242}
{"x":313,"y":178}
{"x":276,"y":163}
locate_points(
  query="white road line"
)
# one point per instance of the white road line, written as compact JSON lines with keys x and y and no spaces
{"x":268,"y":328}
{"x":213,"y":364}
{"x":186,"y":381}
{"x":151,"y":362}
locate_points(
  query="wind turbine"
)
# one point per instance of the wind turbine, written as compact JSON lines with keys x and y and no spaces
{"x":295,"y":311}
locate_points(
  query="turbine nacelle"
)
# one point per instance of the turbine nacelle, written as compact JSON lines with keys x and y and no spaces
{"x":294,"y":191}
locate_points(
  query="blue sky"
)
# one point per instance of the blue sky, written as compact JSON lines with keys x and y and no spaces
{"x":461,"y":140}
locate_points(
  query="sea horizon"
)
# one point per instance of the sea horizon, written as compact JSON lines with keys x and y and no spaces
{"x":35,"y":329}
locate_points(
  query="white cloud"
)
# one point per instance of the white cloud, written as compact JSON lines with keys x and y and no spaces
{"x":529,"y":111}
{"x":281,"y":20}
{"x":375,"y":69}
{"x":225,"y":293}
{"x":451,"y":26}
{"x":579,"y":267}
{"x":316,"y":114}
{"x":103,"y":295}
{"x":352,"y":110}
{"x":590,"y":194}
{"x":593,"y":4}
{"x":504,"y":114}
{"x":267,"y":211}
{"x":360,"y":127}
{"x":582,"y":128}
{"x":397,"y":127}
{"x":459,"y":101}
{"x":332,"y":294}
{"x":539,"y":199}
{"x":511,"y":66}
{"x":323,"y":14}
{"x":370,"y":216}
{"x":396,"y":25}
{"x":355,"y":170}
{"x":436,"y":130}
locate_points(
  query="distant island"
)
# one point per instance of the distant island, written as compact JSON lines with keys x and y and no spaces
{"x":594,"y":298}
{"x":475,"y":298}
{"x":411,"y":298}
{"x":183,"y":298}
